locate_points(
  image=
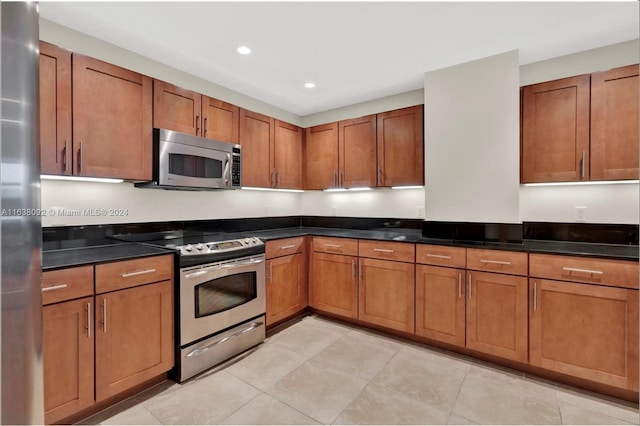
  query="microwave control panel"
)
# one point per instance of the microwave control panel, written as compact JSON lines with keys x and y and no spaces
{"x":235,"y":169}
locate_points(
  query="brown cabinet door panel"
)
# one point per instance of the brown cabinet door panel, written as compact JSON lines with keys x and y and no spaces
{"x":112,"y":120}
{"x":334,"y":284}
{"x":285,"y":287}
{"x":175,"y":108}
{"x":401,"y":147}
{"x":387,"y":294}
{"x":357,"y":152}
{"x":55,"y":110}
{"x":67,"y":353}
{"x":440,"y":304}
{"x":555,"y":130}
{"x":287,"y":156}
{"x":134,"y":337}
{"x":221,"y":120}
{"x":321,"y":156}
{"x":497,"y":315}
{"x":614,"y":124}
{"x":257,"y":139}
{"x":585,"y":331}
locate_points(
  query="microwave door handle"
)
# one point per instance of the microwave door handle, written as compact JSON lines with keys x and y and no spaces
{"x":227,"y":170}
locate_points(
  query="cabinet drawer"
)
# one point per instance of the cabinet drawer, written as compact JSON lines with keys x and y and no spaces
{"x":129,"y":273}
{"x":336,"y":245}
{"x":284,"y":247}
{"x":66,"y":284}
{"x":618,"y":273}
{"x":455,"y":257}
{"x":505,"y":262}
{"x":385,"y":250}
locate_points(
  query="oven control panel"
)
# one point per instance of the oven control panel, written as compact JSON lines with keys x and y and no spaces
{"x":219,"y":246}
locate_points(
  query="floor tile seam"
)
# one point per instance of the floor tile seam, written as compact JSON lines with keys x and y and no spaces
{"x":294,"y":408}
{"x":453,"y":406}
{"x":152,"y":415}
{"x":239,"y":408}
{"x":348,"y":404}
{"x":340,"y":370}
{"x":614,"y":416}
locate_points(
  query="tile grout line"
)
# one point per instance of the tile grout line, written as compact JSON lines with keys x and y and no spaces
{"x":242,"y":406}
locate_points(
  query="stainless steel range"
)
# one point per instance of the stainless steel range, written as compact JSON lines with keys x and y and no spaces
{"x":220,"y":299}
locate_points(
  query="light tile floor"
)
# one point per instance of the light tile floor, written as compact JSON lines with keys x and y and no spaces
{"x":318,"y":371}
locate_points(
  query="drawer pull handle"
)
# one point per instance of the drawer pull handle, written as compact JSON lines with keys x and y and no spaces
{"x":497,"y":262}
{"x":198,"y":351}
{"x":584,"y":271}
{"x":333,"y":245}
{"x":383,"y":250}
{"x":133,"y":274}
{"x":54,"y":287}
{"x":287,"y":247}
{"x":439,"y":256}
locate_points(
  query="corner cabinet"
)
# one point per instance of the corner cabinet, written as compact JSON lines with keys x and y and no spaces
{"x":112,"y":120}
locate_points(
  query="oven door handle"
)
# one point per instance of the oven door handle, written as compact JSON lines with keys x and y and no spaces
{"x":218,"y":267}
{"x":198,"y":351}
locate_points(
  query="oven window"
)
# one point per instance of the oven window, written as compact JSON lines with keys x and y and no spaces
{"x":195,"y":166}
{"x":225,"y":293}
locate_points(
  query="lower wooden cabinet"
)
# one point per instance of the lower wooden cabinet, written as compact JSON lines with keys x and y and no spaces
{"x":387,"y":294}
{"x":497,"y":315}
{"x":440,"y":304}
{"x":334,"y":284}
{"x":586,"y":331}
{"x":67,"y":344}
{"x":134,"y":337}
{"x":286,"y":287}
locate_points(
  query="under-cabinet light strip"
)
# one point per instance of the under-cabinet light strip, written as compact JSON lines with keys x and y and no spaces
{"x":408,"y":187}
{"x":250,"y":188}
{"x":591,"y":182}
{"x":81,"y":179}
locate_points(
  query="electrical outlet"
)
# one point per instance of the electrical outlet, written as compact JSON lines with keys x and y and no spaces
{"x":580,"y":213}
{"x":420,"y":210}
{"x":334,"y":210}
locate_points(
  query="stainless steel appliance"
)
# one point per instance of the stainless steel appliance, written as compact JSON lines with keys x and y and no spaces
{"x":183,"y":161}
{"x":22,"y":377}
{"x":220,"y":297}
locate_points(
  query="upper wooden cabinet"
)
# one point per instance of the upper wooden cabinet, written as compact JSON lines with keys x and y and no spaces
{"x":55,"y":110}
{"x":182,"y":110}
{"x":271,"y":152}
{"x":614,"y":124}
{"x":321,"y":156}
{"x":112,"y":120}
{"x":400,"y":147}
{"x":357,"y":152}
{"x":581,"y":128}
{"x":555,"y":130}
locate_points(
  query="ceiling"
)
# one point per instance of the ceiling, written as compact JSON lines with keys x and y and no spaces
{"x":352,"y":51}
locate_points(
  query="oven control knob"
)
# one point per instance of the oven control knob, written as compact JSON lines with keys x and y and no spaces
{"x":199,"y":247}
{"x":247,"y":241}
{"x":188,"y":248}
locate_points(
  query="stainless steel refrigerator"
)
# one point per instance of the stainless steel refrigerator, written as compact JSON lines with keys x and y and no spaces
{"x":20,"y":231}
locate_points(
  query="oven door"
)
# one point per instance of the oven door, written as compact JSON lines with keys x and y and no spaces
{"x":188,"y":165}
{"x":217,"y":296}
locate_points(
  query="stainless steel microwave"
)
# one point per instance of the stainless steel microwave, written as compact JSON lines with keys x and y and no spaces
{"x":187,"y":162}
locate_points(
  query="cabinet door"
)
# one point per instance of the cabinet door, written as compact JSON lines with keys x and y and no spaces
{"x":134,"y":337}
{"x":440,"y":303}
{"x":400,"y":147}
{"x":175,"y":108}
{"x":497,"y":315}
{"x":67,"y":353}
{"x":555,"y":130}
{"x":221,"y":120}
{"x":287,"y":156}
{"x":112,"y":121}
{"x":586,"y":331}
{"x":55,"y":110}
{"x":614,"y":124}
{"x":321,"y":156}
{"x":357,"y":152}
{"x":286,"y":283}
{"x":334,"y":284}
{"x":387,"y":294}
{"x":256,"y":138}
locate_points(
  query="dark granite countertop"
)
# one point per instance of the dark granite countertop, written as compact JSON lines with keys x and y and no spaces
{"x":107,"y":252}
{"x":74,"y":253}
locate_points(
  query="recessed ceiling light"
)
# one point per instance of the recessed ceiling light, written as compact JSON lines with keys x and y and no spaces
{"x":244,"y":50}
{"x":309,"y":85}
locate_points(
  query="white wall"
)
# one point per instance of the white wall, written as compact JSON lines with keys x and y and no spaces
{"x":605,"y":203}
{"x":149,"y":205}
{"x":471,"y":141}
{"x":400,"y":203}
